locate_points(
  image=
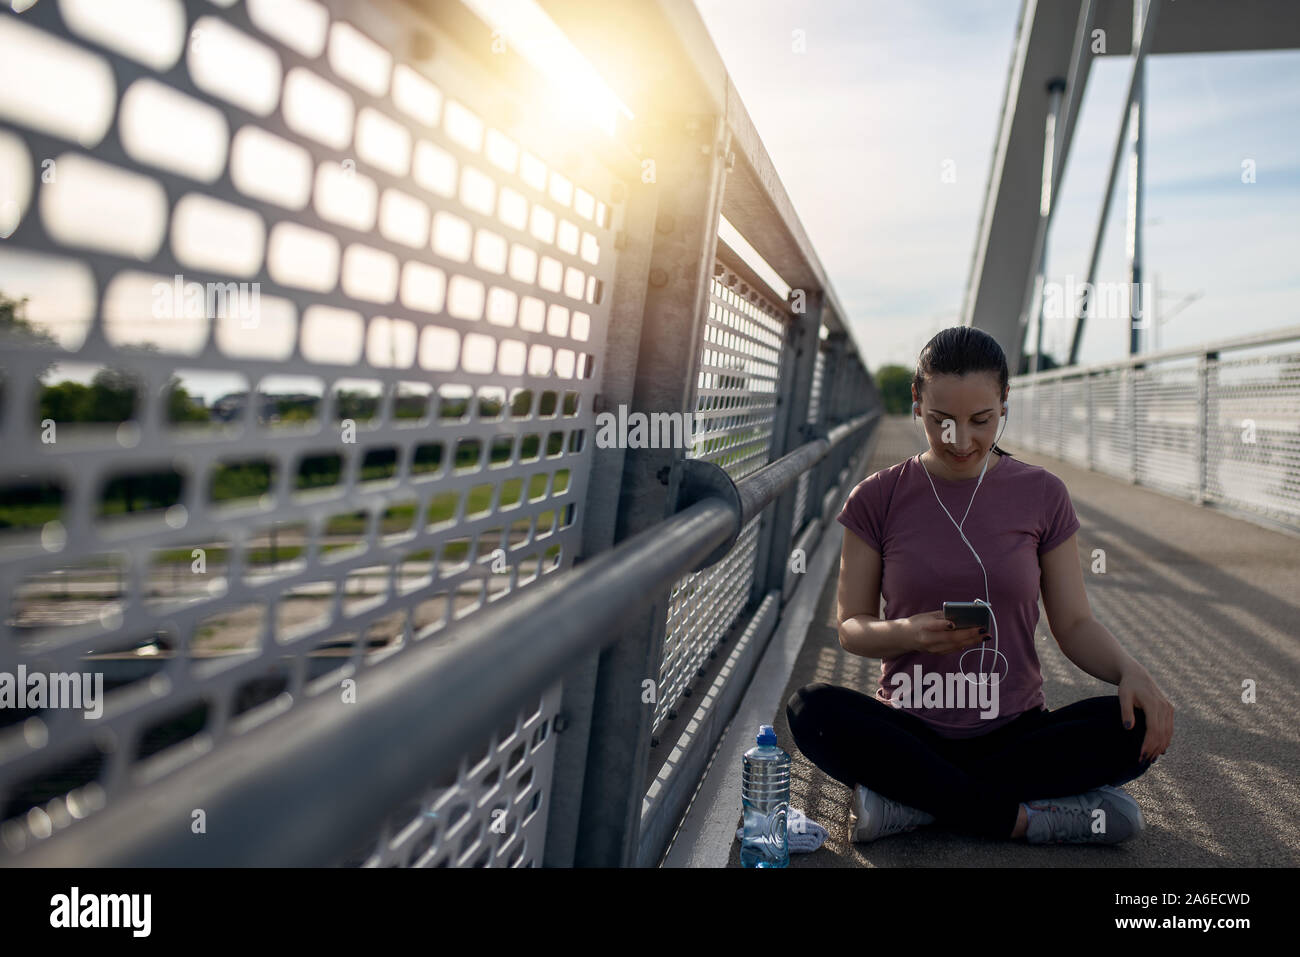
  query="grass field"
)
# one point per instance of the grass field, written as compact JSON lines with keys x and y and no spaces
{"x":249,"y":481}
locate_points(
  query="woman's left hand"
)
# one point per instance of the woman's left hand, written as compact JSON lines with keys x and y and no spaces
{"x":1138,"y":689}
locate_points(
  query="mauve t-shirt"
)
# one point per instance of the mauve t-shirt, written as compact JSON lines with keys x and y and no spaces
{"x":1019,"y":513}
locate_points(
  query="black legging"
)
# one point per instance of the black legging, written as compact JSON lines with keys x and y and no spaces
{"x":971,"y":784}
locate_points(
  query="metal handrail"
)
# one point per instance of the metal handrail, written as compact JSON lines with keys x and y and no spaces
{"x":411,"y":716}
{"x":1284,"y":334}
{"x":760,"y":487}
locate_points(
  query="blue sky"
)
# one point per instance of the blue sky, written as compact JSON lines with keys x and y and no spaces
{"x":860,"y":124}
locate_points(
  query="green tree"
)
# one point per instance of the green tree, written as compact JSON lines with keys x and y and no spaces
{"x":291,"y":412}
{"x":141,"y":491}
{"x":317,"y":471}
{"x":10,"y":309}
{"x":112,"y":396}
{"x":356,"y":405}
{"x":14,"y":324}
{"x":181,"y":406}
{"x":895,"y":385}
{"x":1044,"y":363}
{"x":241,"y":480}
{"x":65,"y":401}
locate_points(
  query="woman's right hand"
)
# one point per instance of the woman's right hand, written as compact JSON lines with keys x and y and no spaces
{"x":933,"y":634}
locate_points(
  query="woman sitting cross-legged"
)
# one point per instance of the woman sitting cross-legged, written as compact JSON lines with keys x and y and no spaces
{"x":958,"y":730}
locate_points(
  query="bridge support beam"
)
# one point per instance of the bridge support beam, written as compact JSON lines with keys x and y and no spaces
{"x":689,"y":170}
{"x":799,"y":359}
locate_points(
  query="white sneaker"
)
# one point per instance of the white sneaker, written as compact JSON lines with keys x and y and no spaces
{"x":1104,"y":815}
{"x":873,"y":815}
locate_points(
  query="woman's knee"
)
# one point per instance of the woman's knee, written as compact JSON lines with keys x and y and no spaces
{"x":804,"y":704}
{"x":1133,"y":739}
{"x":1105,"y":718}
{"x":1111,"y":713}
{"x":1134,"y":736}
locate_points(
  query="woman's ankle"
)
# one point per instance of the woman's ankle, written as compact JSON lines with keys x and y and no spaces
{"x":1022,"y":823}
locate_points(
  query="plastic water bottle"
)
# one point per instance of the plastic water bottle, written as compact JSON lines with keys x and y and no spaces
{"x":765,"y":796}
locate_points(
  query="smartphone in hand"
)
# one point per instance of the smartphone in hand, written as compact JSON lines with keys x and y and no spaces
{"x":967,"y":614}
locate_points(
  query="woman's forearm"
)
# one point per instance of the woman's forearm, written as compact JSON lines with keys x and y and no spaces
{"x":870,"y":637}
{"x":1092,"y":647}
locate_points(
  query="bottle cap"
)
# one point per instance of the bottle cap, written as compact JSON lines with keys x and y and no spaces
{"x":766,"y":735}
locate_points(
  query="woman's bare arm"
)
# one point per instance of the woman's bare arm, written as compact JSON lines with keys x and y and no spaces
{"x":1091,"y":646}
{"x":1069,"y":616}
{"x":861,"y":630}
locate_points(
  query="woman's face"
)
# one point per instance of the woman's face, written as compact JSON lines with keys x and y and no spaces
{"x":961,"y":414}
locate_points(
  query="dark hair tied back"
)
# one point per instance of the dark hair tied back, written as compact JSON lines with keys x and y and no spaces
{"x":959,"y":350}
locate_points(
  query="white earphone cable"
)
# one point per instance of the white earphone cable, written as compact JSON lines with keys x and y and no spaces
{"x":985,"y":601}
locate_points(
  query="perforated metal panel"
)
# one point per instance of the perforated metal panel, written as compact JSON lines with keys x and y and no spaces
{"x":488,"y":812}
{"x":1112,"y":424}
{"x":233,"y":501}
{"x":1072,"y":442}
{"x":739,"y":368}
{"x":736,"y":408}
{"x":1252,"y":411}
{"x":1222,"y":429}
{"x":1168,"y":432}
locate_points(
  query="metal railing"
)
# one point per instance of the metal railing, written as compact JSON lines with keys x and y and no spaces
{"x":363,"y":585}
{"x":438,"y":688}
{"x":1218,"y":424}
